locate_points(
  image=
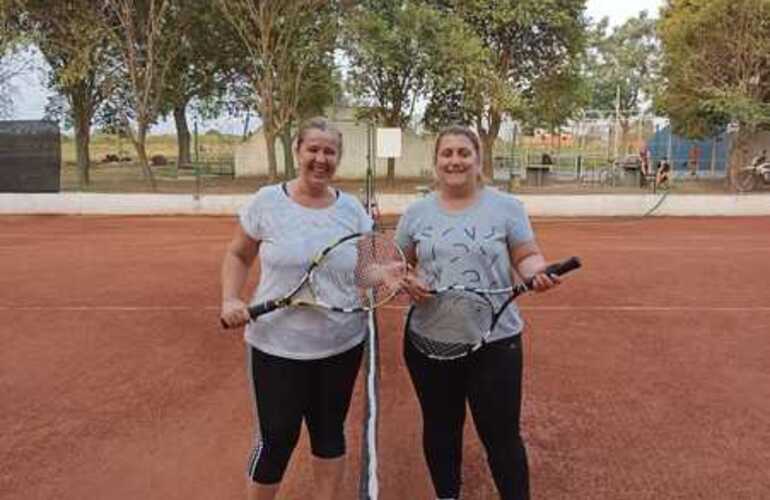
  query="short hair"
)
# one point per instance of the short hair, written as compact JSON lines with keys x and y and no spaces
{"x":319,"y":123}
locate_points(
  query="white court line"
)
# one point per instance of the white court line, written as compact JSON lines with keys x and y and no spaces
{"x":108,"y":308}
{"x":693,"y":237}
{"x":667,"y":248}
{"x":629,"y":308}
{"x":396,"y":307}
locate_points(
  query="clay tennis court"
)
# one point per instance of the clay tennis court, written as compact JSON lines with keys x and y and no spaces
{"x":648,"y":372}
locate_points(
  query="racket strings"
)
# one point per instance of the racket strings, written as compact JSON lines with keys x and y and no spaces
{"x":362,"y":272}
{"x":451,"y":324}
{"x":437,"y":349}
{"x":380,"y":269}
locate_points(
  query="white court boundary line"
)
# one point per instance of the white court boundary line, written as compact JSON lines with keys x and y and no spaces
{"x":394,"y":307}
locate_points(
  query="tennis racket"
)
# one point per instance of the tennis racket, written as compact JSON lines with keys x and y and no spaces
{"x":355,"y":274}
{"x":458,"y":320}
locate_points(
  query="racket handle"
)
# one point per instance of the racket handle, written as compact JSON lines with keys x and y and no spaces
{"x":563,"y":267}
{"x":557,"y":269}
{"x":258,"y":310}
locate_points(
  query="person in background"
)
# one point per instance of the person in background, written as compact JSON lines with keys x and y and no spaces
{"x":693,"y":160}
{"x":644,"y":165}
{"x":663,"y":172}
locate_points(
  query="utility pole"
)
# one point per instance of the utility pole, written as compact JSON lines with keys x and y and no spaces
{"x":617,"y":118}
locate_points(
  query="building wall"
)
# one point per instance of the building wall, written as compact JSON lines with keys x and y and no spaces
{"x":415,"y":161}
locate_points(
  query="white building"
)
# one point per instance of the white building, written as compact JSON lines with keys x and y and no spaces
{"x":416,"y":151}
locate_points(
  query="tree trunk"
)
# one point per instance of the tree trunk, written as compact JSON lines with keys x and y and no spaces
{"x":625,"y":125}
{"x":272,"y":168}
{"x":739,"y":155}
{"x":488,"y":138}
{"x":182,"y":135}
{"x":82,"y":154}
{"x":246,"y":126}
{"x":487,"y":167}
{"x":140,"y":140}
{"x":288,"y":157}
{"x":81,"y":117}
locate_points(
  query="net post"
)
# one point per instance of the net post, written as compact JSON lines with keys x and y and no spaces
{"x":369,"y":480}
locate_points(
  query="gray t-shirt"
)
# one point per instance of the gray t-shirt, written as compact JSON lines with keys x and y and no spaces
{"x":469,"y":247}
{"x":291,"y":235}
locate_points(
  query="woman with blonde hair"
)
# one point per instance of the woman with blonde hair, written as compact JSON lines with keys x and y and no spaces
{"x":303,"y":362}
{"x":465,"y":233}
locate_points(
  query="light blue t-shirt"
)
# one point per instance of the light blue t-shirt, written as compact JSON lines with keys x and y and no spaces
{"x":291,"y":235}
{"x":470,"y":247}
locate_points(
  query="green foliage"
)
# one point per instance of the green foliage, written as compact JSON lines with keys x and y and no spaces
{"x":520,"y":46}
{"x":288,"y":47}
{"x":625,"y":60}
{"x":206,"y":60}
{"x":69,"y":35}
{"x":10,"y":41}
{"x":521,"y":50}
{"x":390,"y":46}
{"x":716,"y":59}
{"x":558,"y":98}
{"x":461,"y":75}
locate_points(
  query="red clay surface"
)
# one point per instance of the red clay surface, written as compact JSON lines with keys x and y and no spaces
{"x":648,"y":372}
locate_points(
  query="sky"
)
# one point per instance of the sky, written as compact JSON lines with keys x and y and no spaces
{"x":29,"y":94}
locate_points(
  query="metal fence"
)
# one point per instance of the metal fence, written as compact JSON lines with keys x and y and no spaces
{"x":589,"y":156}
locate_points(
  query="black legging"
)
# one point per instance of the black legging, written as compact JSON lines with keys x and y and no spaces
{"x":490,"y":380}
{"x":288,"y":391}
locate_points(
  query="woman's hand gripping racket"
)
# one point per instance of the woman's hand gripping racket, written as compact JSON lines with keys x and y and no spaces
{"x":355,"y":274}
{"x":458,"y":320}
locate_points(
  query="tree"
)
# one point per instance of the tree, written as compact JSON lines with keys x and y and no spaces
{"x":318,"y":92}
{"x":82,"y":62}
{"x":13,"y":61}
{"x":716,"y":59}
{"x":282,"y":40}
{"x":526,"y":42}
{"x":206,"y":60}
{"x":557,"y":99}
{"x":388,"y":45}
{"x":622,"y":68}
{"x":146,"y":51}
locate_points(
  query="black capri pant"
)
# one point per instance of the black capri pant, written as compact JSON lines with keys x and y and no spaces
{"x":286,"y":391}
{"x":490,"y":380}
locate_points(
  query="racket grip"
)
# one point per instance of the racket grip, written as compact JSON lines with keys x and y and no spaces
{"x":563,"y":267}
{"x":258,"y":310}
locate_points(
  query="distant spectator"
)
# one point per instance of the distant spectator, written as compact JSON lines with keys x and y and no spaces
{"x":693,"y":157}
{"x":648,"y":161}
{"x":644,"y":161}
{"x":663,"y":172}
{"x":546,"y":159}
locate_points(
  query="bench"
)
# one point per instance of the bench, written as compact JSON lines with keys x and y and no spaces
{"x":538,"y":174}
